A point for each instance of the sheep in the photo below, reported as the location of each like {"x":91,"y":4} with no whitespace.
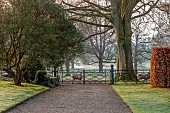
{"x":77,"y":76}
{"x":145,"y":77}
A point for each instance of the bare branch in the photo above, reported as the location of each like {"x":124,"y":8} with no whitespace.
{"x":146,"y":12}
{"x":91,"y":23}
{"x":98,"y":33}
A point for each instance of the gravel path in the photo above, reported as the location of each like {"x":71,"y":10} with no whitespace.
{"x":76,"y":98}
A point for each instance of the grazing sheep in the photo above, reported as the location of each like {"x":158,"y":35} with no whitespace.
{"x":77,"y":76}
{"x":144,"y":77}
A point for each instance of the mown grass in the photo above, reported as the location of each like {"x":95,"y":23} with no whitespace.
{"x":10,"y":94}
{"x":143,"y":98}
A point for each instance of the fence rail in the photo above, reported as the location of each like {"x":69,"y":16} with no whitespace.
{"x":107,"y":76}
{"x":88,"y":76}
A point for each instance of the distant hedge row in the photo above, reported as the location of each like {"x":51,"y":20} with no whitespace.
{"x":160,"y":67}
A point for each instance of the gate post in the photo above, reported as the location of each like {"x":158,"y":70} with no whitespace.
{"x":105,"y":76}
{"x":62,"y":76}
{"x":55,"y":71}
{"x":83,"y":76}
{"x":112,"y":74}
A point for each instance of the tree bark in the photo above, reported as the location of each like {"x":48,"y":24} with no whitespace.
{"x":121,"y":21}
{"x":67,"y":64}
{"x":121,"y":54}
{"x":17,"y":76}
{"x":128,"y":47}
{"x":100,"y":65}
{"x":118,"y":27}
{"x":72,"y":62}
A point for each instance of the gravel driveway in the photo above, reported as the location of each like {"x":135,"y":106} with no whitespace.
{"x":76,"y":98}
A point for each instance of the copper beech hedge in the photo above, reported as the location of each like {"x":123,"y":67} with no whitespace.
{"x":160,"y":67}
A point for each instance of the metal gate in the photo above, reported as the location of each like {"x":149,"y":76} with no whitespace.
{"x":86,"y":76}
{"x":108,"y":76}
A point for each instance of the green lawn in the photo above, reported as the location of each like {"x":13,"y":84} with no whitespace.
{"x":11,"y":95}
{"x":143,"y":98}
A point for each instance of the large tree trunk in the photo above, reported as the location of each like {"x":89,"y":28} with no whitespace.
{"x":67,"y":64}
{"x":72,"y":63}
{"x":17,"y":76}
{"x":125,"y":61}
{"x":100,"y":65}
{"x":120,"y":58}
{"x":128,"y":48}
{"x":121,"y":20}
{"x":18,"y":79}
{"x":118,"y":27}
{"x":121,"y":54}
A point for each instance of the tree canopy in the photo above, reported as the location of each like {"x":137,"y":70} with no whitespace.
{"x":31,"y":29}
{"x":120,"y":14}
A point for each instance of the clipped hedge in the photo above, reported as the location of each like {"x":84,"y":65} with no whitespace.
{"x":160,"y":67}
{"x":54,"y":81}
{"x":42,"y":79}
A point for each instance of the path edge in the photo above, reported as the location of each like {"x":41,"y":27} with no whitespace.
{"x":121,"y":98}
{"x":34,"y":96}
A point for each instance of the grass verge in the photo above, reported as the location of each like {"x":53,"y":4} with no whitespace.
{"x":143,"y":98}
{"x":11,"y":95}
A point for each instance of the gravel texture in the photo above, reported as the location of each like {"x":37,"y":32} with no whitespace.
{"x":75,"y":98}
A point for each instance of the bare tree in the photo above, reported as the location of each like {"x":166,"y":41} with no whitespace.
{"x":100,"y":47}
{"x":161,"y":18}
{"x":119,"y":13}
{"x":141,"y":40}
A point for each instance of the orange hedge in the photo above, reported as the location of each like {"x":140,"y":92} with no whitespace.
{"x":160,"y":67}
